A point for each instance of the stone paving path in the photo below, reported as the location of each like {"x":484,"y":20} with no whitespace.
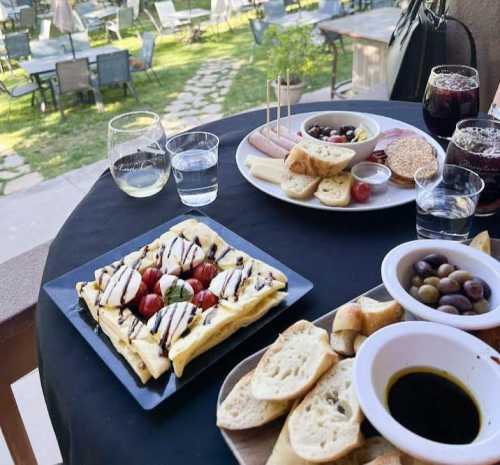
{"x":202,"y":97}
{"x":15,"y":174}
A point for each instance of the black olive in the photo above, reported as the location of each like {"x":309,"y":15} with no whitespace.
{"x":435,"y":259}
{"x":350,"y":135}
{"x":423,"y":269}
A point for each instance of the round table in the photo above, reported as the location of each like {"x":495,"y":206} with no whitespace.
{"x":95,"y":419}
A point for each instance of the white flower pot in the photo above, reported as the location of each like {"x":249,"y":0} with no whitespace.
{"x":295,"y":93}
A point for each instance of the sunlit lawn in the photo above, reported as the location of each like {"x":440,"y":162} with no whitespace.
{"x":54,"y":147}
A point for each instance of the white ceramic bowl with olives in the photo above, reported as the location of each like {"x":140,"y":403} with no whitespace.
{"x":445,"y":282}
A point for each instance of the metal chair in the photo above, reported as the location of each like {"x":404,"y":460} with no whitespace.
{"x":136,"y":7}
{"x":27,"y":18}
{"x":240,"y":6}
{"x":17,"y":45}
{"x":17,"y":92}
{"x":124,"y":19}
{"x":84,"y":23}
{"x":274,"y":9}
{"x":73,"y":76}
{"x":113,"y":69}
{"x":219,"y":13}
{"x":45,"y":27}
{"x":145,"y":62}
{"x":169,"y":22}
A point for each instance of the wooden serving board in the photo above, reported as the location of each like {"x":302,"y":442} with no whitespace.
{"x":254,"y":446}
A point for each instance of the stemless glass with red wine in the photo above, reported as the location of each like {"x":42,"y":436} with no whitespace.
{"x":137,"y":153}
{"x":476,"y":145}
{"x":452,"y":94}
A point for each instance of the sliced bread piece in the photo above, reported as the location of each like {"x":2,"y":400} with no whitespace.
{"x":342,"y":342}
{"x":318,"y":159}
{"x":299,"y":186}
{"x":348,"y":316}
{"x":372,"y":448}
{"x":358,"y":340}
{"x":326,"y":425}
{"x":378,"y":314}
{"x":240,"y":410}
{"x":335,"y":191}
{"x":293,"y":363}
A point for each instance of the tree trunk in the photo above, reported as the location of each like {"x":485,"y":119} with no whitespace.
{"x":482,"y":18}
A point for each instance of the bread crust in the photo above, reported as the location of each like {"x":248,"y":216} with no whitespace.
{"x":348,"y":316}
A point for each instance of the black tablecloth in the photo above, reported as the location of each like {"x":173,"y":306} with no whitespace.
{"x":95,"y":419}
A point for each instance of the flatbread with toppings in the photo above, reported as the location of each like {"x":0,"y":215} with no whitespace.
{"x":179,"y":296}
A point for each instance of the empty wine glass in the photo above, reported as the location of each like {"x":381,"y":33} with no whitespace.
{"x":137,"y":153}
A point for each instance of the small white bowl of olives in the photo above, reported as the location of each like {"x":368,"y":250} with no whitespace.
{"x":445,"y":282}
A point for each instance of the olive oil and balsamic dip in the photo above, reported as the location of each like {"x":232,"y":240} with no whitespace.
{"x":434,"y":405}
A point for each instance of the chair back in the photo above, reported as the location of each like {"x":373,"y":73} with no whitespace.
{"x":274,"y":9}
{"x":125,"y":17}
{"x":258,"y":28}
{"x":27,"y":18}
{"x":166,"y":13}
{"x":45,"y":26}
{"x":218,"y":9}
{"x":113,"y":68}
{"x":330,"y":7}
{"x":135,"y":5}
{"x":17,"y":45}
{"x":73,"y":75}
{"x":147,"y":49}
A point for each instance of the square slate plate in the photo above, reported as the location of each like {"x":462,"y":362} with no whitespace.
{"x":149,"y":395}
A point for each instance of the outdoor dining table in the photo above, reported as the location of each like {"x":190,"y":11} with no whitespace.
{"x":94,"y":417}
{"x":39,"y":67}
{"x":102,"y":13}
{"x":301,"y":18}
{"x":370,"y":32}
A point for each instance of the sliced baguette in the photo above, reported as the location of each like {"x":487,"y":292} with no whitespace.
{"x":348,"y":316}
{"x":299,"y":186}
{"x":358,"y":340}
{"x":293,"y":363}
{"x":378,"y":314}
{"x":335,"y":191}
{"x":318,"y":159}
{"x":392,"y":458}
{"x":327,"y":423}
{"x":372,"y":448}
{"x":342,"y":342}
{"x":240,"y":410}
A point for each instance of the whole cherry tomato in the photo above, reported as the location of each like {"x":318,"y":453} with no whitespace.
{"x":141,"y":292}
{"x":150,"y":304}
{"x":157,"y":289}
{"x":205,"y":299}
{"x":204,"y":273}
{"x":361,"y":192}
{"x":150,"y":276}
{"x":195,"y":284}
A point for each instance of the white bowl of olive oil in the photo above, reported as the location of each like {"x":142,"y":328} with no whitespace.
{"x":432,"y":391}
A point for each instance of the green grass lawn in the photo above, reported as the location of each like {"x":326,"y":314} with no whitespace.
{"x":54,"y":147}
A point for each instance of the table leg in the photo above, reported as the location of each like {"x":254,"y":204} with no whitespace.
{"x":42,"y":92}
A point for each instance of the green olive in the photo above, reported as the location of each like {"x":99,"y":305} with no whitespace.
{"x":432,"y":280}
{"x":460,"y":276}
{"x":445,"y":269}
{"x":416,"y":281}
{"x":414,"y":292}
{"x":428,"y":294}
{"x":448,"y":286}
{"x":481,"y":306}
{"x":448,"y":309}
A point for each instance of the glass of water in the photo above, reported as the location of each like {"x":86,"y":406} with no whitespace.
{"x":136,"y":150}
{"x":446,"y":202}
{"x":194,"y":157}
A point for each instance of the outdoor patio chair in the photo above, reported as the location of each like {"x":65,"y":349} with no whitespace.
{"x":83,"y":23}
{"x":27,"y":18}
{"x":219,"y":13}
{"x":45,"y":27}
{"x":17,"y":92}
{"x":112,"y":70}
{"x":168,"y":16}
{"x":124,"y":20}
{"x":258,"y":28}
{"x":136,"y":7}
{"x":240,"y":6}
{"x":145,"y":61}
{"x":72,"y":76}
{"x":274,"y":9}
{"x":17,"y":45}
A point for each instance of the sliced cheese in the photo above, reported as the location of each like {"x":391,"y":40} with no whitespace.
{"x":268,"y":172}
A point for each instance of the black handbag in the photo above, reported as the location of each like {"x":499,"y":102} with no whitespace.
{"x":417,"y":44}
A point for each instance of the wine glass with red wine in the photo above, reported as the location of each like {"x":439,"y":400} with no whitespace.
{"x":452,"y":94}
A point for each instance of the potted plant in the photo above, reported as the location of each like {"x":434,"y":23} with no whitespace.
{"x":291,"y":49}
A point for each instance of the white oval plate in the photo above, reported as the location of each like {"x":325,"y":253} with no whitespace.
{"x":393,"y":197}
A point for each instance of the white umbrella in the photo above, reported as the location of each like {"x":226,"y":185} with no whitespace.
{"x":63,"y":19}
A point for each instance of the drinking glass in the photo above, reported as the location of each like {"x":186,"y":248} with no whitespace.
{"x":452,"y":94}
{"x":194,"y":157}
{"x":446,"y":201}
{"x":476,"y":145}
{"x":136,"y":150}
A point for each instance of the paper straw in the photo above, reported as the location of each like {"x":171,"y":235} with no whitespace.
{"x":279,"y":106}
{"x":268,"y":98}
{"x":288,"y":99}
